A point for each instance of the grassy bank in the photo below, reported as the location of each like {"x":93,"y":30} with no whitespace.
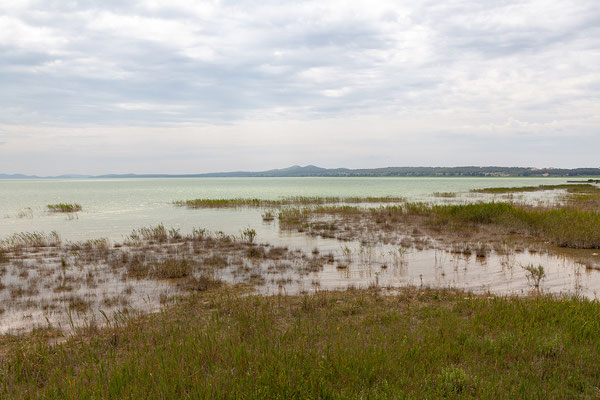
{"x":419,"y":343}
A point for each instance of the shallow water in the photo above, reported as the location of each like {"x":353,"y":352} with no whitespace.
{"x":354,"y":265}
{"x":113,"y":207}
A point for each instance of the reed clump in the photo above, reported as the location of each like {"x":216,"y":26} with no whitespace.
{"x":157,"y":234}
{"x":172,"y":268}
{"x":30,"y":239}
{"x":447,"y":195}
{"x":64,"y":207}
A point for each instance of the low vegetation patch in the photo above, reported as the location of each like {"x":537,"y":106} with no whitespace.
{"x":571,"y":188}
{"x":563,"y":226}
{"x":30,"y":239}
{"x":419,"y":343}
{"x":296,"y":200}
{"x":566,"y":227}
{"x":447,"y":195}
{"x":64,"y":207}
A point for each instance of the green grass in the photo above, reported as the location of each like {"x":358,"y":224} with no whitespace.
{"x":356,"y":344}
{"x":296,"y":200}
{"x":64,"y":207}
{"x":566,"y":227}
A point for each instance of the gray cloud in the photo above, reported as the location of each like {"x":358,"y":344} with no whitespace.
{"x":459,"y":69}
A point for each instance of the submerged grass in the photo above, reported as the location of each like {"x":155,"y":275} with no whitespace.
{"x":420,"y":343}
{"x":296,"y":200}
{"x":64,"y":207}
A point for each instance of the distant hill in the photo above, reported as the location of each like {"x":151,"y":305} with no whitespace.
{"x":18,"y":176}
{"x":312,"y":170}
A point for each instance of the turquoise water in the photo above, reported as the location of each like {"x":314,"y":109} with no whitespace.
{"x":113,"y":207}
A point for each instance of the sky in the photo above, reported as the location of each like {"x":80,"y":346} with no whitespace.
{"x":185,"y":86}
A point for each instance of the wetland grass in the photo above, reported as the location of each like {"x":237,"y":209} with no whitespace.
{"x":64,"y":207}
{"x":417,"y":343}
{"x":569,"y":187}
{"x":563,"y":226}
{"x":582,"y":196}
{"x":447,"y":195}
{"x":268,"y":216}
{"x":30,"y":239}
{"x":286,"y":201}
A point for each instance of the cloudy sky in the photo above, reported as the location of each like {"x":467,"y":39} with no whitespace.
{"x":183,"y":86}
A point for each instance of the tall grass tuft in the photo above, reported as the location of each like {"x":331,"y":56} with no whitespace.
{"x":64,"y":207}
{"x":31,"y":239}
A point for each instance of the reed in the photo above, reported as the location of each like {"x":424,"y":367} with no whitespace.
{"x":565,"y":226}
{"x":30,"y":239}
{"x":286,"y":201}
{"x":64,"y":207}
{"x":445,"y":194}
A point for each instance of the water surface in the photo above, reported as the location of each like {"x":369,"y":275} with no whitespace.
{"x":113,"y":207}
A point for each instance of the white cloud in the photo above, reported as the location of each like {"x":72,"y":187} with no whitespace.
{"x":417,"y":71}
{"x":20,"y":35}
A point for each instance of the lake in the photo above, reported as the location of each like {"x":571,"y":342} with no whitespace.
{"x":113,"y":207}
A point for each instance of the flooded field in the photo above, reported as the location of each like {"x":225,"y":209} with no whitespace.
{"x":101,"y":264}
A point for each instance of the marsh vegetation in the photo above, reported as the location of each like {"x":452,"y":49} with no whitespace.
{"x":64,"y":207}
{"x":574,"y":225}
{"x":286,"y":201}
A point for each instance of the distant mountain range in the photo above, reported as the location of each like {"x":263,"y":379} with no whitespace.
{"x":311,"y":170}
